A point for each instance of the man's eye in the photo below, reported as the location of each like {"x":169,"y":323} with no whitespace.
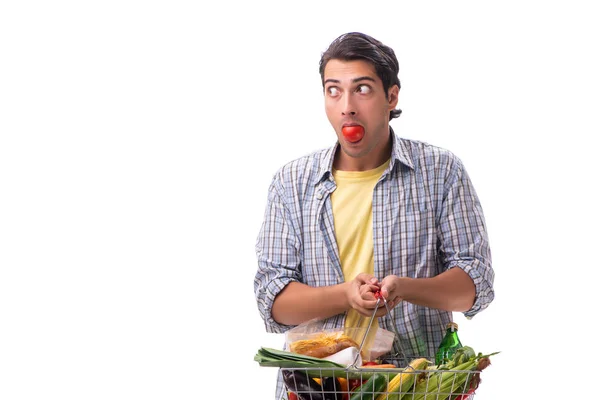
{"x":333,"y":91}
{"x":364,"y":89}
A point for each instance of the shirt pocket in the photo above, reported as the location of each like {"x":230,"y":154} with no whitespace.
{"x":413,"y":243}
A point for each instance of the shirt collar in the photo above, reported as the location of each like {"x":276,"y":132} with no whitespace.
{"x":400,"y":153}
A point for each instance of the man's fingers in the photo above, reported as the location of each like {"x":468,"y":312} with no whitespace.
{"x":363,"y":278}
{"x":385,"y":292}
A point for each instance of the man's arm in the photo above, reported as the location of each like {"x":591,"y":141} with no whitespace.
{"x":298,"y":303}
{"x":452,"y":290}
{"x":282,"y":298}
{"x":466,"y":283}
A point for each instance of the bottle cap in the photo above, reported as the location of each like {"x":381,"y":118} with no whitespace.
{"x":452,"y":325}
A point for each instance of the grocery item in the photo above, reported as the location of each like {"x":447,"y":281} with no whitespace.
{"x":374,"y":385}
{"x":449,"y":344}
{"x":402,"y":382}
{"x":323,"y":346}
{"x":345,"y":357}
{"x":353,"y":133}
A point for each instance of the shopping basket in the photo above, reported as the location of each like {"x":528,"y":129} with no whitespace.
{"x":404,"y":382}
{"x":343,"y":383}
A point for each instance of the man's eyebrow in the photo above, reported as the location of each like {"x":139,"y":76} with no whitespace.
{"x":363,"y":78}
{"x":355,"y":80}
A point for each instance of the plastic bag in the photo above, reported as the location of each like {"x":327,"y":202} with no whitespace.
{"x":378,"y":343}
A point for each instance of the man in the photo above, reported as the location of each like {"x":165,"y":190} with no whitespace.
{"x":374,"y":212}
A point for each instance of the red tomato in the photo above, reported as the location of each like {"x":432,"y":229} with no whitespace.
{"x":292,"y":396}
{"x":370,"y":363}
{"x":353,"y":133}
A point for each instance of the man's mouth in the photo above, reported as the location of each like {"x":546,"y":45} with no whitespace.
{"x":353,"y":132}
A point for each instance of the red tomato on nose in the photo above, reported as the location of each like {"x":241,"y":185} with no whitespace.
{"x":353,"y":133}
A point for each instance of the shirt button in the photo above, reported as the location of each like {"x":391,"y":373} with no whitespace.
{"x":319,"y":196}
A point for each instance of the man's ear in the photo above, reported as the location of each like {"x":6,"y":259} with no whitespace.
{"x":393,"y":97}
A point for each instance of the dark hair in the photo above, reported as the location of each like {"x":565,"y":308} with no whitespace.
{"x":358,"y":46}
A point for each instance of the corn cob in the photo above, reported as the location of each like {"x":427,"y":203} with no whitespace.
{"x":404,"y":380}
{"x":439,"y":384}
{"x":452,"y":384}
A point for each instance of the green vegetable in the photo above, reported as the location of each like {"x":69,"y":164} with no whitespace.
{"x":463,"y":354}
{"x":267,"y":357}
{"x":441,"y":383}
{"x":376,"y":384}
{"x":315,"y":367}
{"x":403,"y":381}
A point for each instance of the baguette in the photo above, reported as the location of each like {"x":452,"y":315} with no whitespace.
{"x":323,"y":346}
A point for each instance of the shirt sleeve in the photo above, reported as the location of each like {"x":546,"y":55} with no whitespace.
{"x":278,"y":254}
{"x":463,"y":238}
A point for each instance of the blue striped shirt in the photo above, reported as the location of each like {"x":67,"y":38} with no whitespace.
{"x":426,"y":219}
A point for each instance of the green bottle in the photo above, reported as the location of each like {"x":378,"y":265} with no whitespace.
{"x":450,"y":343}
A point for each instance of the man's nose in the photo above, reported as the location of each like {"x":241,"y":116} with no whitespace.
{"x":348,"y":107}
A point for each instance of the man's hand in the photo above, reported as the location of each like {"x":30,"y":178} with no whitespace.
{"x":361,"y":296}
{"x":361,"y":293}
{"x":391,"y":287}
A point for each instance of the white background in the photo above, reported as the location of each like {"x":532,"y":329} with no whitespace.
{"x":138,"y":140}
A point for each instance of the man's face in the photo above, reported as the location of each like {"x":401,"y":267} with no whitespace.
{"x":354,"y":95}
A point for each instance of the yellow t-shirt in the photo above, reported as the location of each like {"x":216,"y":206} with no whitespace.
{"x":352,"y":205}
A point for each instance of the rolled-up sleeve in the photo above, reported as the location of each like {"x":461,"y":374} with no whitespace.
{"x":278,"y":253}
{"x":463,"y":236}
